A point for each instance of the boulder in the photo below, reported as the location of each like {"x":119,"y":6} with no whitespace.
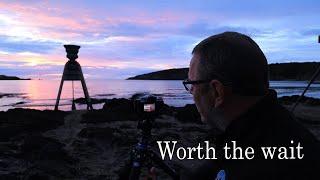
{"x":288,"y":100}
{"x":17,"y":121}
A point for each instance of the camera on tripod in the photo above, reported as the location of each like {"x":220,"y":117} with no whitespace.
{"x":146,"y":105}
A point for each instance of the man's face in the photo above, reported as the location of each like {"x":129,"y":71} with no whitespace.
{"x":201,"y":95}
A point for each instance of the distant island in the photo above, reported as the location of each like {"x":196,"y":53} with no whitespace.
{"x":4,"y":77}
{"x":279,"y":71}
{"x":169,"y":74}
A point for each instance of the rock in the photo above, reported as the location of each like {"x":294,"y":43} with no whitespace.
{"x":287,"y":100}
{"x":122,"y":110}
{"x":100,"y":116}
{"x":107,"y":94}
{"x":107,"y":135}
{"x":113,"y":110}
{"x":118,"y":105}
{"x":91,"y":151}
{"x":308,"y":121}
{"x":99,"y":133}
{"x":48,"y":156}
{"x":11,"y":95}
{"x":93,"y":101}
{"x":17,"y":121}
{"x":168,"y":136}
{"x":38,"y":157}
{"x":37,"y":147}
{"x":8,"y":149}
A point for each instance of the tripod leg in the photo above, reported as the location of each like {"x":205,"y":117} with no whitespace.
{"x":137,"y":161}
{"x":86,"y":94}
{"x":135,"y":172}
{"x":315,"y":75}
{"x":158,"y":161}
{"x":59,"y":94}
{"x":124,"y":171}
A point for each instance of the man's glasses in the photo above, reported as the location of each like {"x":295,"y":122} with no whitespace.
{"x":187,"y":83}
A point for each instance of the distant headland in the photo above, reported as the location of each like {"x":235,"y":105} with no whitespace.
{"x":4,"y":77}
{"x":279,"y":71}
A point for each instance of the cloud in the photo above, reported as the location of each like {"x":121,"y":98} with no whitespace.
{"x":8,"y":44}
{"x":128,"y":37}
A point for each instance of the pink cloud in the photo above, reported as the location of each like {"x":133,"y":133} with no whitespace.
{"x":49,"y":22}
{"x":46,"y":23}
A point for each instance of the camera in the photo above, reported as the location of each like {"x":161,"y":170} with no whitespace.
{"x":147,"y":105}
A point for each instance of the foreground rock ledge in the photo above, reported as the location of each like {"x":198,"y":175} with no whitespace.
{"x":95,"y":145}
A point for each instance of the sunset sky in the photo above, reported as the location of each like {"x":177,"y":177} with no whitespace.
{"x":119,"y":39}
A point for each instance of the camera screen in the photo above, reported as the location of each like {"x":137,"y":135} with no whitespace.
{"x":149,"y":107}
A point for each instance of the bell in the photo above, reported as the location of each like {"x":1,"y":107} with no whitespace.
{"x":73,"y":72}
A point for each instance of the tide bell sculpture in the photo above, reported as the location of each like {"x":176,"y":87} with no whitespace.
{"x":72,"y":72}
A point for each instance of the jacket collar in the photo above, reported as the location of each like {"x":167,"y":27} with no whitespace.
{"x":250,"y":121}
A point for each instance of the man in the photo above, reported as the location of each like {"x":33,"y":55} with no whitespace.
{"x":228,"y":78}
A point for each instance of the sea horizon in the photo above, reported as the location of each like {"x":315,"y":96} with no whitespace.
{"x":42,"y":94}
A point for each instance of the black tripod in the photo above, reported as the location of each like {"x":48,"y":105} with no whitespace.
{"x":143,"y":156}
{"x":313,"y":78}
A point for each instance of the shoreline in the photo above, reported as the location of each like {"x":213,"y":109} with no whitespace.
{"x":285,"y":100}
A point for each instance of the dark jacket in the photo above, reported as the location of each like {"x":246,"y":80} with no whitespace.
{"x":266,"y":124}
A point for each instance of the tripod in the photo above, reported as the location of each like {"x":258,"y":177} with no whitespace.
{"x":143,"y":156}
{"x":315,"y":75}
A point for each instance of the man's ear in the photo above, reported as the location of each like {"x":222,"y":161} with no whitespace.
{"x":219,"y":92}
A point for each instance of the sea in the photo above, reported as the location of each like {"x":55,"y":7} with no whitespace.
{"x":42,"y":94}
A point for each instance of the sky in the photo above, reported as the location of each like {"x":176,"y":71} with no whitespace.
{"x":124,"y":38}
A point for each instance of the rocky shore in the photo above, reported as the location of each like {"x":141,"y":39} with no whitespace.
{"x":96,"y":144}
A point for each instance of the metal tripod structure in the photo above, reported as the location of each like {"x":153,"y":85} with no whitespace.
{"x":72,"y":72}
{"x":314,"y":77}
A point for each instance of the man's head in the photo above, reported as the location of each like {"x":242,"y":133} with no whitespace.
{"x":234,"y":68}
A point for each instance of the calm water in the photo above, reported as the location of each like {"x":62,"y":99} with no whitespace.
{"x":41,"y":94}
